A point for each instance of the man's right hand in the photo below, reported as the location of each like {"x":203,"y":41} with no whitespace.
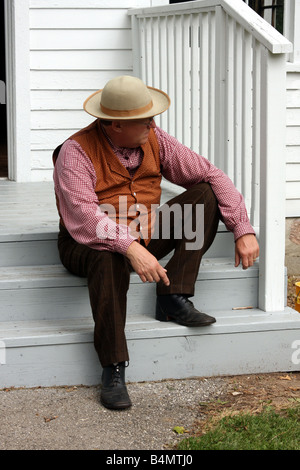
{"x":146,"y":265}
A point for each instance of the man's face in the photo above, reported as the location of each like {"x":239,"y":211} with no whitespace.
{"x":136,"y":132}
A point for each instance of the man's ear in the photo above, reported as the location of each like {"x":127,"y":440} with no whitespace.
{"x":117,"y":126}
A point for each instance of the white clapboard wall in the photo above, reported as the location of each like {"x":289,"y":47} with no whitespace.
{"x":75,"y":47}
{"x":293,"y":144}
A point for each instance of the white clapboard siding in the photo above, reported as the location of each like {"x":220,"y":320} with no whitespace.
{"x":75,"y":47}
{"x":293,"y":145}
{"x":69,"y":79}
{"x":83,"y":18}
{"x":47,"y":139}
{"x":80,"y":39}
{"x":72,"y":60}
{"x":66,"y":119}
{"x":49,"y":100}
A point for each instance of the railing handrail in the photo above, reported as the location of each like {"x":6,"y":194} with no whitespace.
{"x":244,"y":15}
{"x":258,"y":27}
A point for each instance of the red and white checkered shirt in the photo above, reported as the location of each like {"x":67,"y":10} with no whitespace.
{"x":75,"y":181}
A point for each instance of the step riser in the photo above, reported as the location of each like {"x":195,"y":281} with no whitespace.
{"x":37,"y":252}
{"x":73,"y":302}
{"x":29,"y":253}
{"x":152,"y":359}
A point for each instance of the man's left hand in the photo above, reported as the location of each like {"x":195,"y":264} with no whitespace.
{"x":246,"y":250}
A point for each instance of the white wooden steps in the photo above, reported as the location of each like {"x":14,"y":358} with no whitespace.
{"x":46,"y":324}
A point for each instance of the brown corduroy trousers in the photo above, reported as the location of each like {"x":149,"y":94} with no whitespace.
{"x":108,"y":273}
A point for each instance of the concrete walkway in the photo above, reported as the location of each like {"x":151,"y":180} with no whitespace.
{"x":72,"y":418}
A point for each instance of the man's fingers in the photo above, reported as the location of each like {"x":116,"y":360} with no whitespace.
{"x":246,"y":250}
{"x":164,"y":277}
{"x":146,"y":265}
{"x":158,"y":275}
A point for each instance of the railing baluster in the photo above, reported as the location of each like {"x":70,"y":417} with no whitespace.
{"x":178,"y":77}
{"x":247,"y":119}
{"x":195,"y":84}
{"x":148,"y":49}
{"x":238,"y":105}
{"x":171,"y":74}
{"x":155,"y":81}
{"x":212,"y":84}
{"x":204,"y":84}
{"x":163,"y":64}
{"x":219,"y":86}
{"x":186,"y":81}
{"x":256,"y":100}
{"x":228,"y":164}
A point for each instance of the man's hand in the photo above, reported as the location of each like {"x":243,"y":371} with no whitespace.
{"x":146,"y":265}
{"x":246,"y":250}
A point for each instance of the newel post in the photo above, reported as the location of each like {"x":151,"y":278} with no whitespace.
{"x":272,"y":181}
{"x":291,"y":28}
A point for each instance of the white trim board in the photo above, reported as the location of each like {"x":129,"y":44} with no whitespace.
{"x":18,"y":87}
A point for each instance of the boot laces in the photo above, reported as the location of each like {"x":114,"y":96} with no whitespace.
{"x":116,"y":373}
{"x":186,"y":300}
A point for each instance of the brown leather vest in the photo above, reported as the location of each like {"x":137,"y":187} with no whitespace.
{"x":132,"y":200}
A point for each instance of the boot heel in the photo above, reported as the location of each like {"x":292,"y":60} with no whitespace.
{"x":160,"y":315}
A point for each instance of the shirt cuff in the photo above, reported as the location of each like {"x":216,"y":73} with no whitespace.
{"x":121,"y":246}
{"x":241,"y":229}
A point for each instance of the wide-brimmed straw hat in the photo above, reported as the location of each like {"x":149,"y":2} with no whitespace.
{"x":125,"y":98}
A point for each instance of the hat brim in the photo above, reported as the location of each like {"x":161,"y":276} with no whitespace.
{"x":160,"y":100}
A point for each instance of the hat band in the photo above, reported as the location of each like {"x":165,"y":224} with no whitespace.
{"x":131,"y":112}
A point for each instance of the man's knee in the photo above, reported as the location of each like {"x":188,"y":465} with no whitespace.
{"x":202,"y":193}
{"x":108,"y":265}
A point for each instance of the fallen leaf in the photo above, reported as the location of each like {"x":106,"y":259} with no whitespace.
{"x":179,"y":429}
{"x":237,"y":393}
{"x":47,"y":420}
{"x":286,"y":377}
{"x":71,"y":389}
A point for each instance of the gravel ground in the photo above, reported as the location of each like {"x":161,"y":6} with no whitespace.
{"x":72,"y":418}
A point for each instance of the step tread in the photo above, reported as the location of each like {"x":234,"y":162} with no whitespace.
{"x":56,"y":275}
{"x":142,"y":326}
{"x":28,"y":210}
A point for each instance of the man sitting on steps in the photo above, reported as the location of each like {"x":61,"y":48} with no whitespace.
{"x":108,"y":185}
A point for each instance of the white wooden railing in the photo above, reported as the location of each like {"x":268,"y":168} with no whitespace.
{"x":223,"y":67}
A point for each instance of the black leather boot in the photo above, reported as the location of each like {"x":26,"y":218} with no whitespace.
{"x":178,"y":308}
{"x":114,"y":393}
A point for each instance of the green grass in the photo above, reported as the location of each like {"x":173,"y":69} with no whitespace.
{"x":268,"y":430}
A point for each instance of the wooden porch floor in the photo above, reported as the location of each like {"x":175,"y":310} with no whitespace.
{"x":27,"y":209}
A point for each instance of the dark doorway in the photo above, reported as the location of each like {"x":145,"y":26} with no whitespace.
{"x":3,"y":121}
